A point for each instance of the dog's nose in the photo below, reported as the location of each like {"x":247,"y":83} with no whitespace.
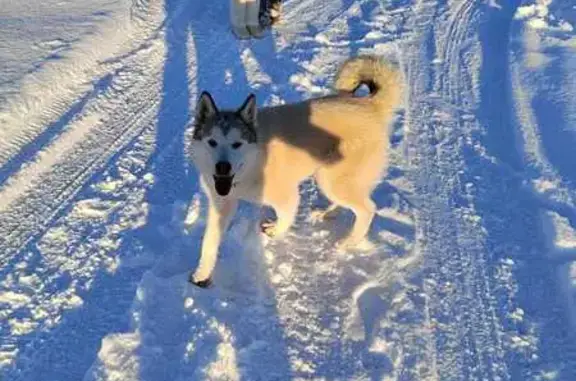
{"x":223,"y":168}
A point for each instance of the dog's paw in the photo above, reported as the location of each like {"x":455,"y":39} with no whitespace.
{"x":268,"y":228}
{"x":317,"y":216}
{"x":320,"y":215}
{"x":200,"y":283}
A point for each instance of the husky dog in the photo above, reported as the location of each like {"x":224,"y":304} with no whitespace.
{"x":263,"y":155}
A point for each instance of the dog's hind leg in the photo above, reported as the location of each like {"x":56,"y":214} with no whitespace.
{"x":364,"y":210}
{"x":354,"y":195}
{"x":220,"y":214}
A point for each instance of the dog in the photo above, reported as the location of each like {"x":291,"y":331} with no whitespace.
{"x":262,"y":155}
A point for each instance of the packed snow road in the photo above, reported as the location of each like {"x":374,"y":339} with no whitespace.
{"x":470,"y":269}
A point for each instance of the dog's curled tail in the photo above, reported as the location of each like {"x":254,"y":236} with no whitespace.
{"x":383,"y":80}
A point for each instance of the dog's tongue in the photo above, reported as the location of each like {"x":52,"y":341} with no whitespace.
{"x":223,"y":184}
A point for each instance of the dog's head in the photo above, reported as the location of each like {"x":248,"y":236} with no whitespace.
{"x":224,"y":142}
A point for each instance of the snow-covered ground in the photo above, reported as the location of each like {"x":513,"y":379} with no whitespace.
{"x":470,"y":273}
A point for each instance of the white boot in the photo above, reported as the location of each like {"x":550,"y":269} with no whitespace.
{"x":245,"y":18}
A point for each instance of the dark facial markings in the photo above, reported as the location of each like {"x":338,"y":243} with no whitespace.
{"x":225,"y":121}
{"x":213,"y":143}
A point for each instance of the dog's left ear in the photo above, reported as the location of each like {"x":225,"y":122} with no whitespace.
{"x":248,"y":110}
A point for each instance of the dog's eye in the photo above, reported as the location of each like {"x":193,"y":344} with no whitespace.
{"x":212,"y":143}
{"x":236,"y":145}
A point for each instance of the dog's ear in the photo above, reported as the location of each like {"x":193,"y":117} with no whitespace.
{"x":248,"y":110}
{"x":205,"y":108}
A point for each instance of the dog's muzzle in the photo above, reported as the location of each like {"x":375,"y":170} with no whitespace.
{"x":223,"y":178}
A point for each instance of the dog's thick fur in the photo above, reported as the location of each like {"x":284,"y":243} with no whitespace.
{"x":263,"y":155}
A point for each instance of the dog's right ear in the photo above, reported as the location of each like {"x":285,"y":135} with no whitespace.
{"x":248,"y":110}
{"x":205,"y":108}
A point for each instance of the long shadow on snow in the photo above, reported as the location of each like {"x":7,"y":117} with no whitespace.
{"x":220,"y":71}
{"x":550,"y":106}
{"x":172,"y":185}
{"x":513,"y":221}
{"x":65,"y":351}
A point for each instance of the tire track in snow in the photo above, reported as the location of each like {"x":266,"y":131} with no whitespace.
{"x":482,"y":329}
{"x":536,"y":339}
{"x":79,"y":278}
{"x":476,"y":221}
{"x":30,"y":202}
{"x":455,"y":43}
{"x":33,"y":212}
{"x":36,"y":194}
{"x":30,"y":148}
{"x":45,"y":190}
{"x":458,"y":283}
{"x":49,"y":95}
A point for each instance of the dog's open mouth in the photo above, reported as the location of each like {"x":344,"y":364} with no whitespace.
{"x":223,"y":184}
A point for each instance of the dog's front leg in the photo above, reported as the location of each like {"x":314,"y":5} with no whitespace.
{"x":286,"y":209}
{"x":220,"y":214}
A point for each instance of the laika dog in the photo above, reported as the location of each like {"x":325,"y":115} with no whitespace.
{"x":262,"y":155}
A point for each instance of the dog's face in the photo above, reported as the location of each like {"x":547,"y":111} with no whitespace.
{"x":224,"y":142}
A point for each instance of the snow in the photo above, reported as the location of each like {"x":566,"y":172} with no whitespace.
{"x":469,"y":272}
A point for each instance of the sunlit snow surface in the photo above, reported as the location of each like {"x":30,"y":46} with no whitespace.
{"x":470,"y":268}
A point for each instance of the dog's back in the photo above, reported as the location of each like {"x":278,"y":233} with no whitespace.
{"x":323,"y":131}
